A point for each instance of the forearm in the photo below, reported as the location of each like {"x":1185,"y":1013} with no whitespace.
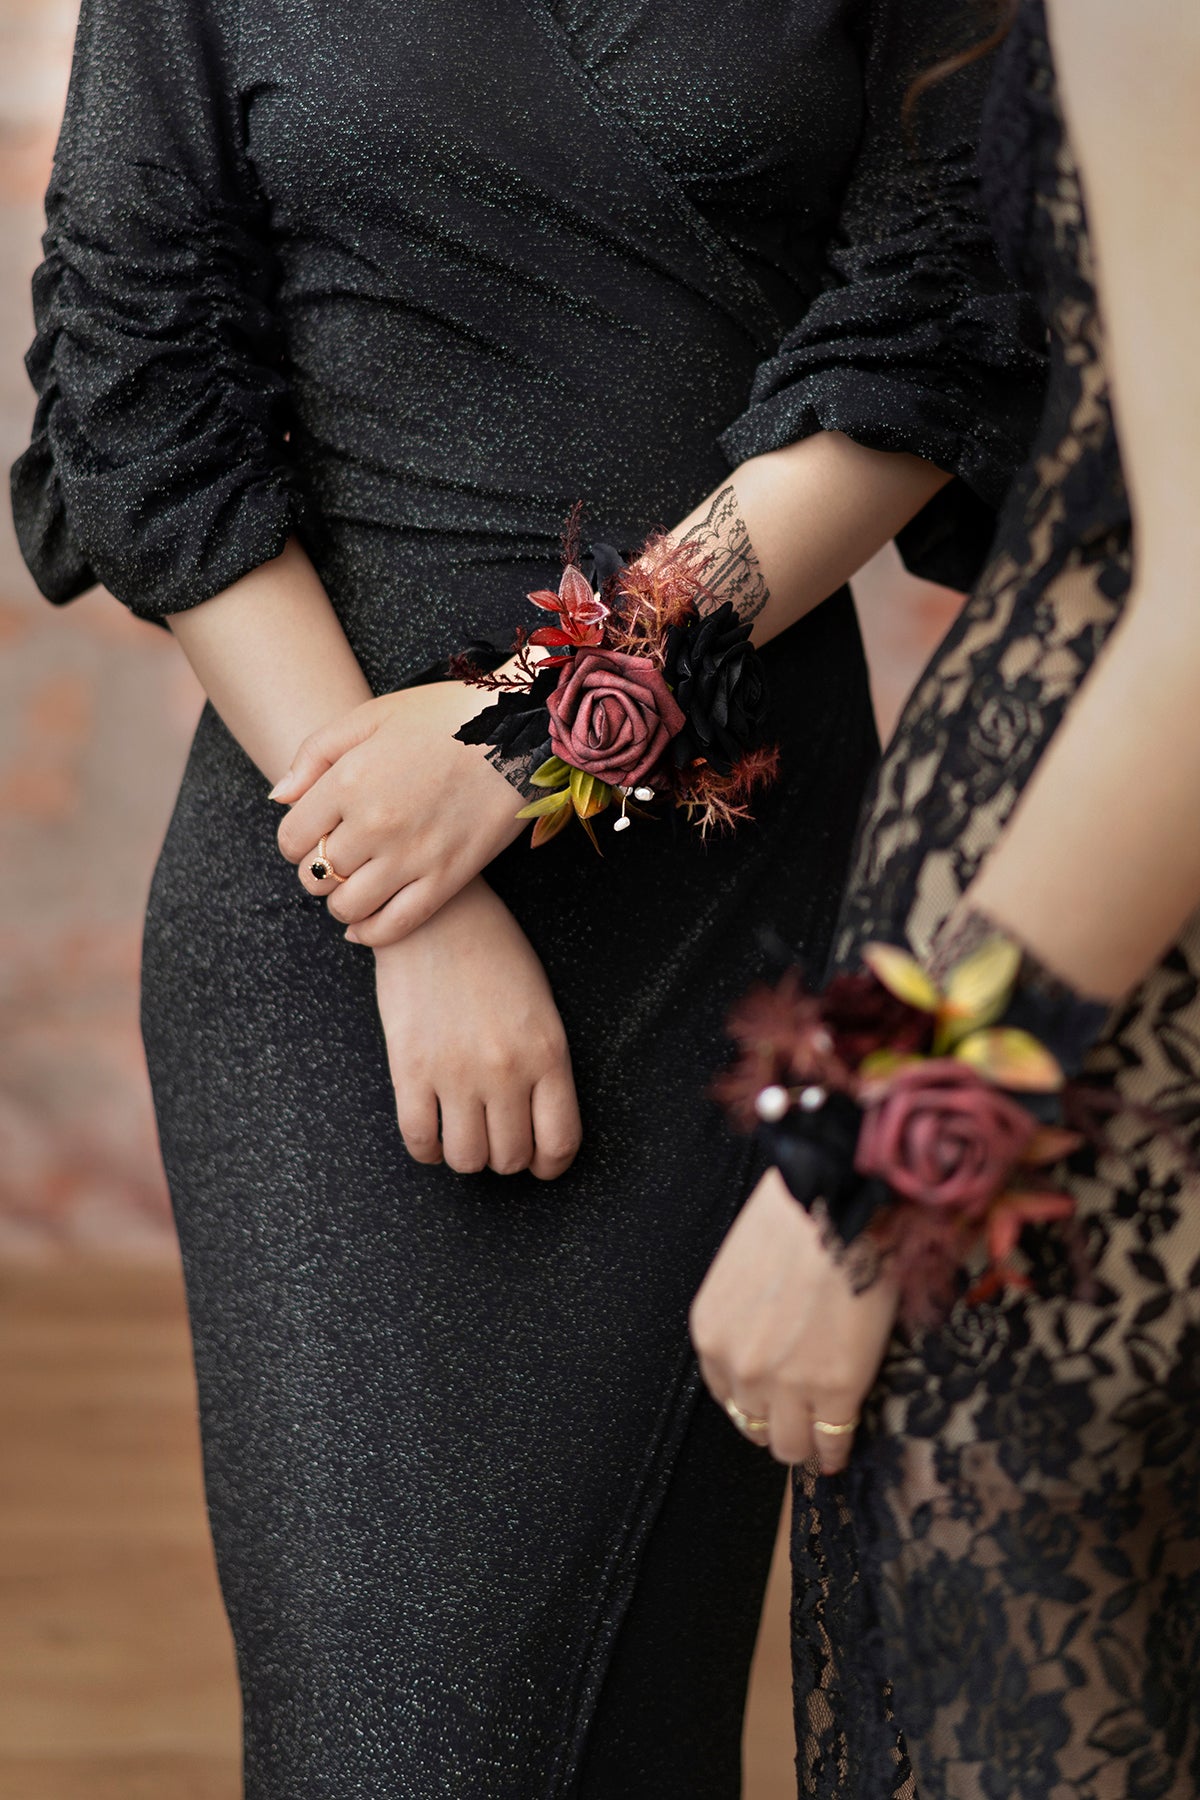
{"x":1099,"y":867}
{"x":791,"y":527}
{"x":820,"y":510}
{"x":786,"y":531}
{"x":271,"y":655}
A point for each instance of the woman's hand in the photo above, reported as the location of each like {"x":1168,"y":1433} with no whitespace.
{"x":474,"y":1036}
{"x":408,"y":814}
{"x":781,"y":1334}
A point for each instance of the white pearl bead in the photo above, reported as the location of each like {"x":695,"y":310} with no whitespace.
{"x":623,"y":823}
{"x":643,"y":793}
{"x":812,"y":1099}
{"x":773,"y":1104}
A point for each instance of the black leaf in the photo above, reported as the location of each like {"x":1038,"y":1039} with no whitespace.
{"x":517,"y":722}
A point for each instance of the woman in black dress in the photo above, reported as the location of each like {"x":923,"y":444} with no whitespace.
{"x":342,"y":308}
{"x":1000,"y":1600}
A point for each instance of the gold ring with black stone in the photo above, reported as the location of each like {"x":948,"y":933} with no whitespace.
{"x":321,"y":868}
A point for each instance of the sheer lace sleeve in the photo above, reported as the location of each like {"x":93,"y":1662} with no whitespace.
{"x":157,"y":464}
{"x":920,"y":342}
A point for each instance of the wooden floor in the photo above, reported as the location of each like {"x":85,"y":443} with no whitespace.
{"x":116,"y":1672}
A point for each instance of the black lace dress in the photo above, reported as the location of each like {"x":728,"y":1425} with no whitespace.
{"x":1001,"y":1600}
{"x":409,"y":280}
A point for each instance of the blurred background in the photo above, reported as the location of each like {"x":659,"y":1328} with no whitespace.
{"x":116,"y":1674}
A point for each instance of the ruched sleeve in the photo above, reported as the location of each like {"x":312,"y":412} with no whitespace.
{"x":919,"y":341}
{"x":158,"y":460}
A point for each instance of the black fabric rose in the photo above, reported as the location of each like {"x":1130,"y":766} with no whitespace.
{"x":601,"y":564}
{"x":863,"y":1016}
{"x":718,"y":680}
{"x":814,"y":1152}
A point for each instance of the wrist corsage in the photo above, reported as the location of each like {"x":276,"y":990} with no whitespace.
{"x":648,"y":689}
{"x":914,"y":1114}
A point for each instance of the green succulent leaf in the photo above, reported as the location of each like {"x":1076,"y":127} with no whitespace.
{"x":902,"y":975}
{"x":1011,"y":1059}
{"x":552,"y":773}
{"x":977,"y":991}
{"x":880,"y":1065}
{"x":589,"y":794}
{"x":549,"y":803}
{"x":549,"y":826}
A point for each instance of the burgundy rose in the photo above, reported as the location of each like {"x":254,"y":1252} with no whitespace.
{"x":612,"y":716}
{"x":863,"y":1016}
{"x":939,"y":1135}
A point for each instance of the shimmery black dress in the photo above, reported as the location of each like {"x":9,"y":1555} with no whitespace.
{"x":408,"y":280}
{"x":1001,"y":1600}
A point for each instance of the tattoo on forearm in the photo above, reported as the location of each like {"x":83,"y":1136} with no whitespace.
{"x":732,"y":569}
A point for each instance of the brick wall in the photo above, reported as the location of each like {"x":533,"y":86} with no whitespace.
{"x":95,"y":714}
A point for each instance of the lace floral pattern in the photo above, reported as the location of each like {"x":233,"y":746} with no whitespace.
{"x":1001,"y":1600}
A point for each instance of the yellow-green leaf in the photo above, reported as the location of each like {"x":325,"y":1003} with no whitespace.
{"x":589,"y":794}
{"x":548,"y":803}
{"x":902,"y":975}
{"x":552,"y":773}
{"x":882,"y":1063}
{"x":549,"y":826}
{"x":978,"y":989}
{"x":1012,"y":1059}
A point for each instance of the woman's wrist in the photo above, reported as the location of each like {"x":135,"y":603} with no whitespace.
{"x":919,"y":1114}
{"x":644,"y":688}
{"x":1042,"y":1002}
{"x":271,"y":655}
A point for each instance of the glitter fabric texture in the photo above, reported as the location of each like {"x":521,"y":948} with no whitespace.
{"x":410,"y":280}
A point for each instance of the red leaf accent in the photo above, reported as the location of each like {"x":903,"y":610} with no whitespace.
{"x":1012,"y":1212}
{"x":575,"y":591}
{"x":569,"y":632}
{"x":549,"y":826}
{"x":546,"y":600}
{"x":994,"y":1281}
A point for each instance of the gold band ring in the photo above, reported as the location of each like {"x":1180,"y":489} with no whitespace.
{"x":745,"y":1422}
{"x":320,"y":868}
{"x":838,"y":1430}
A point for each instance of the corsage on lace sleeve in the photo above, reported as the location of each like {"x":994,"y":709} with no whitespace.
{"x":917,"y":1114}
{"x":643,"y":688}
